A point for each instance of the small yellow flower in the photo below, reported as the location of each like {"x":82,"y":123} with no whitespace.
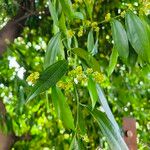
{"x":85,"y":138}
{"x":123,"y":14}
{"x":130,"y":6}
{"x":108,"y":17}
{"x":87,"y":23}
{"x":33,"y":77}
{"x":78,"y":70}
{"x":68,"y":86}
{"x":89,"y":71}
{"x":75,"y":6}
{"x":94,"y":24}
{"x":80,"y":33}
{"x":96,"y":29}
{"x":72,"y":73}
{"x":61,"y":85}
{"x":70,"y":33}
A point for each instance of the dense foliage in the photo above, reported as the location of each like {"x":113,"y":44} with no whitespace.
{"x":59,"y":76}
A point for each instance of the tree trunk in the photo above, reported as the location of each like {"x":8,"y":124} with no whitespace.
{"x":6,"y":141}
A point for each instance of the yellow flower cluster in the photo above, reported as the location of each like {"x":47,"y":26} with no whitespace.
{"x":77,"y":76}
{"x":98,"y":77}
{"x":108,"y":17}
{"x":65,"y":85}
{"x":145,"y":7}
{"x":33,"y":77}
{"x":94,"y":25}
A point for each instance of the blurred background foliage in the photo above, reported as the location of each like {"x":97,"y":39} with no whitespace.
{"x":127,"y":88}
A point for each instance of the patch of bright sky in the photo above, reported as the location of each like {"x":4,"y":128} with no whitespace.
{"x":14,"y":64}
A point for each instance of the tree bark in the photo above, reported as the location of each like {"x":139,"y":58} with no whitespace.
{"x":11,"y":30}
{"x":8,"y":33}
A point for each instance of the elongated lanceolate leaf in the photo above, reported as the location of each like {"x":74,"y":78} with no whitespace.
{"x":120,"y":39}
{"x":52,"y":50}
{"x":62,"y":108}
{"x":48,"y":78}
{"x":95,"y":48}
{"x":53,"y":13}
{"x":90,"y":41}
{"x":90,"y":60}
{"x":138,"y":35}
{"x":113,"y":137}
{"x":92,"y":92}
{"x":89,"y":7}
{"x":112,"y":62}
{"x":67,"y":8}
{"x":104,"y":103}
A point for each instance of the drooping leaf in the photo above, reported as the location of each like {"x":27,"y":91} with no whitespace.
{"x":90,"y":41}
{"x":76,"y":144}
{"x":92,"y":92}
{"x":104,"y":103}
{"x":113,"y":137}
{"x":90,"y":60}
{"x":67,"y":8}
{"x":62,"y":108}
{"x":48,"y":78}
{"x":120,"y":39}
{"x":52,"y":50}
{"x":138,"y":35}
{"x":53,"y":13}
{"x":112,"y":62}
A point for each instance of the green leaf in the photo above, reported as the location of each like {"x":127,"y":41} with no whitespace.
{"x":53,"y":13}
{"x":90,"y":41}
{"x":95,"y":48}
{"x":89,"y":8}
{"x":113,"y":137}
{"x":67,"y":8}
{"x":132,"y":59}
{"x":92,"y":91}
{"x":76,"y":144}
{"x":78,"y":15}
{"x":62,"y":108}
{"x":62,"y":24}
{"x":52,"y":50}
{"x":104,"y":103}
{"x":112,"y":62}
{"x":138,"y":35}
{"x":120,"y":39}
{"x":90,"y":60}
{"x":48,"y":78}
{"x":81,"y":121}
